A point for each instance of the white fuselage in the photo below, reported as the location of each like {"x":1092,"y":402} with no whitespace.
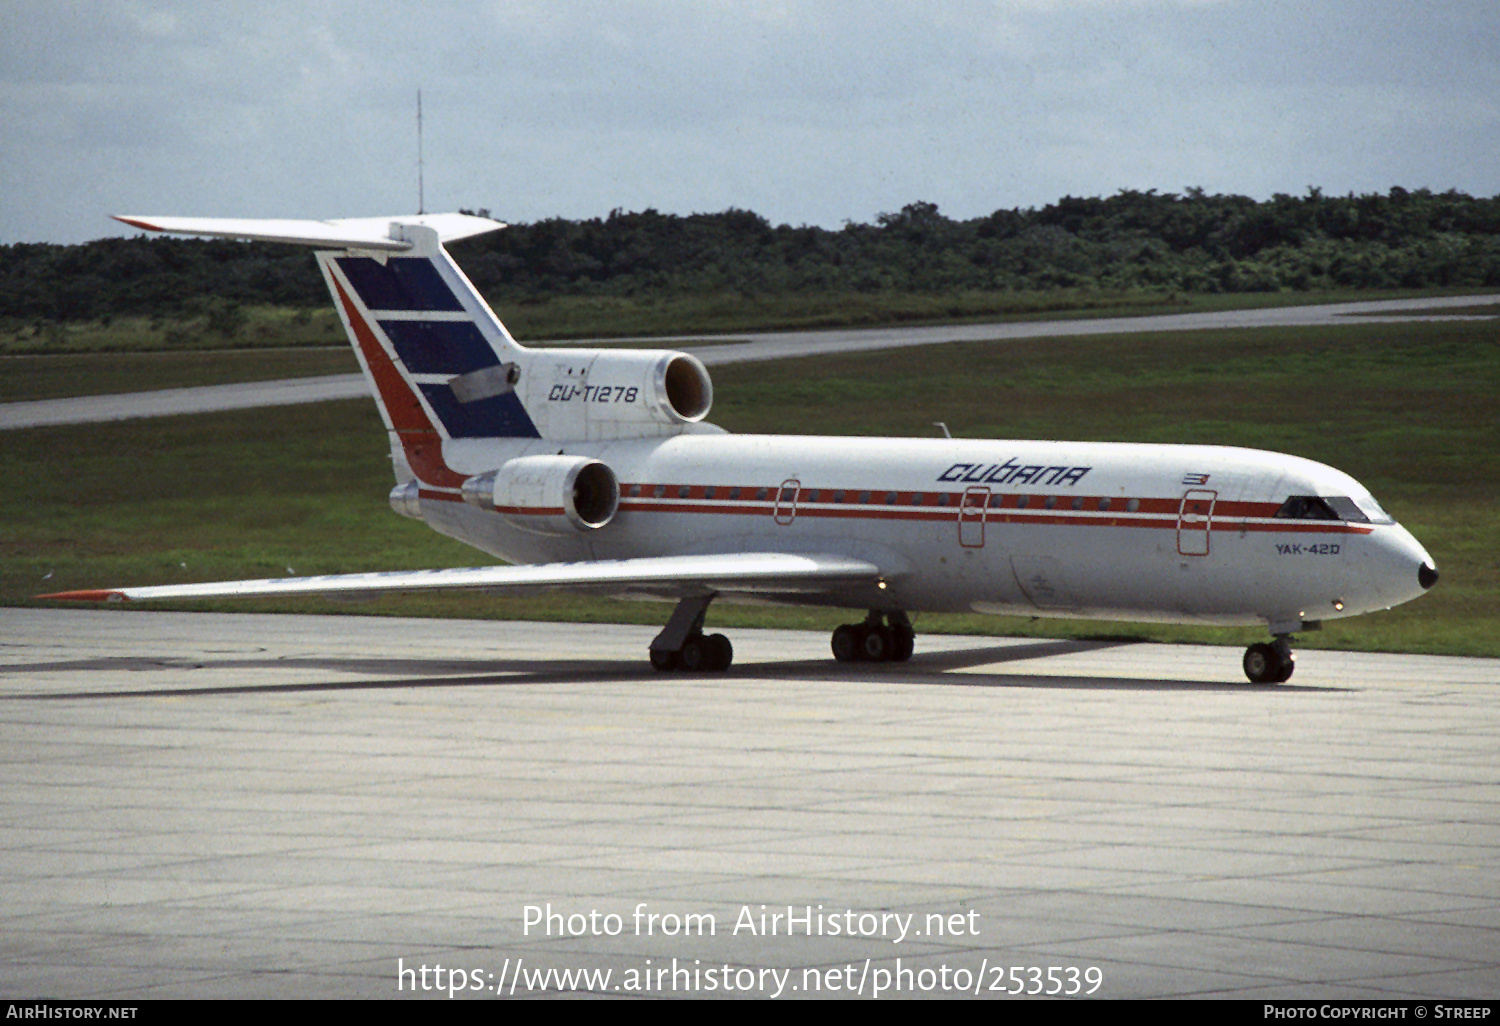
{"x":1163,"y":533}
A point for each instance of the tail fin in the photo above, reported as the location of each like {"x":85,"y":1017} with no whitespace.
{"x":438,"y":360}
{"x":442,"y":366}
{"x":436,"y":355}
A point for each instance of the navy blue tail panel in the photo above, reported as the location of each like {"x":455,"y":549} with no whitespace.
{"x":496,"y":416}
{"x":469,"y":403}
{"x":400,"y":283}
{"x":440,"y":347}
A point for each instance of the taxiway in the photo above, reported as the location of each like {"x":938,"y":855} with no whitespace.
{"x":742,"y":349}
{"x":210,"y":805}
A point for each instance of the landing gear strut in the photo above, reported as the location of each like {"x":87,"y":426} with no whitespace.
{"x":874,"y":641}
{"x":682,"y":645}
{"x":1270,"y":662}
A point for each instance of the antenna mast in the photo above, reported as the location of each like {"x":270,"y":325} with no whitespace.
{"x":421,"y":198}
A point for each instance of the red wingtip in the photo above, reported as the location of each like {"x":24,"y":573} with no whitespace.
{"x":136,"y":222}
{"x":95,"y":595}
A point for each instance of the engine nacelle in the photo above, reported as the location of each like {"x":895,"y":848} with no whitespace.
{"x":406,"y":499}
{"x":601,"y":394}
{"x":548,"y":494}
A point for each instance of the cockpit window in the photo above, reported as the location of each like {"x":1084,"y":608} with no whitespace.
{"x":1372,"y":510}
{"x":1347,"y":510}
{"x":1306,"y":507}
{"x":1362,"y":510}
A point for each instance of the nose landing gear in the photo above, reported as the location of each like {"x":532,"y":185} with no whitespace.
{"x":1270,"y":662}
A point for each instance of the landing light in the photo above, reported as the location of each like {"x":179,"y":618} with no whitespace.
{"x":1338,"y":604}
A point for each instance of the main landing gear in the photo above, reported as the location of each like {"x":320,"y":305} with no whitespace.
{"x":682,"y":645}
{"x":1270,"y":662}
{"x":875,"y":642}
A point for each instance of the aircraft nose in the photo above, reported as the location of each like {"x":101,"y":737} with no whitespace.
{"x":1400,"y":570}
{"x":1427,"y":576}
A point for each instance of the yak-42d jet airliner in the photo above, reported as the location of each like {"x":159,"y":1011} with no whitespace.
{"x":595,"y":470}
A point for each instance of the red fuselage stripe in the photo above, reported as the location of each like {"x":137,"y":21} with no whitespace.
{"x":1161,"y":513}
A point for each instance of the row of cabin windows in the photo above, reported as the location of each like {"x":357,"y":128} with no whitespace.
{"x":996,"y":501}
{"x":1297,"y":507}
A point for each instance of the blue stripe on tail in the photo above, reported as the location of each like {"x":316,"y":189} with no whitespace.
{"x":440,"y":347}
{"x":400,"y":283}
{"x":477,"y":400}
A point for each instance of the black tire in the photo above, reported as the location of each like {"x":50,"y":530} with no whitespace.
{"x":1288,"y":664}
{"x":846,"y":643}
{"x":875,"y":644}
{"x":720,"y":653}
{"x":906,"y":644}
{"x":1265,"y":663}
{"x":694,"y":657}
{"x":663,"y":660}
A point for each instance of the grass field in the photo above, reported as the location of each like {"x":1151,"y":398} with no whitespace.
{"x":77,"y":374}
{"x":258,"y":328}
{"x":1410,"y":410}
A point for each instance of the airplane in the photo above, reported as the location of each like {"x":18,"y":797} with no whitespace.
{"x":596,"y":470}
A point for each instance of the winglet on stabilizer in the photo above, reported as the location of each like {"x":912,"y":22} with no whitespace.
{"x":377,"y":233}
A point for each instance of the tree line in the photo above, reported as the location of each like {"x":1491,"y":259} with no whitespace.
{"x":1189,"y":243}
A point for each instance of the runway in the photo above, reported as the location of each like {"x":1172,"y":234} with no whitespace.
{"x":741,"y":349}
{"x":208,"y":805}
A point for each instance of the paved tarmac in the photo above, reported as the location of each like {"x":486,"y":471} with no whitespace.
{"x":208,"y":805}
{"x":739,"y":349}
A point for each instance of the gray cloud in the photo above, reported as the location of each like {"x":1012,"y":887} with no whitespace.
{"x":809,"y":111}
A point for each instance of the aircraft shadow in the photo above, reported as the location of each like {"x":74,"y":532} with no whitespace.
{"x":924,"y":669}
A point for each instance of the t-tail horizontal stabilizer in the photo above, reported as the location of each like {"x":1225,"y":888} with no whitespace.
{"x":372,"y":233}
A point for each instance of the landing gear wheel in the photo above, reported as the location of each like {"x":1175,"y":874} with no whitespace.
{"x":1269,"y":662}
{"x":846,"y":643}
{"x":882,"y":638}
{"x":906,"y":644}
{"x":699,"y":654}
{"x":875,"y":644}
{"x":720,"y":653}
{"x":1288,"y":664}
{"x":694,"y":655}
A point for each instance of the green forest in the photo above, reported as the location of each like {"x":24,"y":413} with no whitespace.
{"x":1168,"y":243}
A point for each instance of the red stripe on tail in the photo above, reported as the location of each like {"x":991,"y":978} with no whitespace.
{"x":423,"y":444}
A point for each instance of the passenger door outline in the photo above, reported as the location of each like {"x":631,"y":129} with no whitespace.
{"x":972,"y":509}
{"x":1195,"y":518}
{"x":785,"y":509}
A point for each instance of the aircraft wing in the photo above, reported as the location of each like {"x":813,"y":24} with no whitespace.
{"x":749,"y":572}
{"x":345,"y":233}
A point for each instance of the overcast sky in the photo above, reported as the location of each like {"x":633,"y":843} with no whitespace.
{"x":805,"y":111}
